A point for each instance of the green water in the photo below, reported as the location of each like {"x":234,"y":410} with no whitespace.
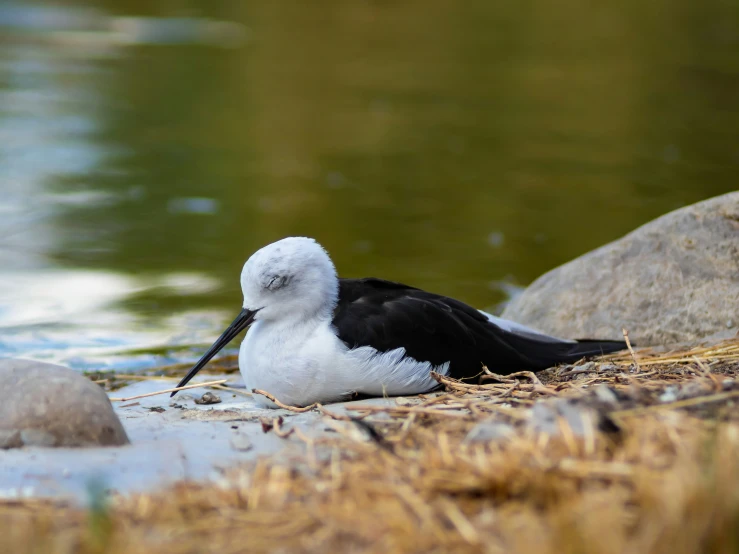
{"x":463,"y":147}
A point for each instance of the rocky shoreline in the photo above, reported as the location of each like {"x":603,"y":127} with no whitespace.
{"x":625,"y":447}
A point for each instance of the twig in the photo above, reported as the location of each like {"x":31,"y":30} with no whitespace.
{"x":233,"y":390}
{"x":466,"y":530}
{"x":647,"y":374}
{"x":456,"y":385}
{"x":277,"y":429}
{"x":509,"y":392}
{"x":332,"y":415}
{"x":405,"y":428}
{"x":310,"y":446}
{"x":631,"y":350}
{"x":707,"y":373}
{"x":528,"y":374}
{"x":176,"y":389}
{"x":513,"y":413}
{"x":472,"y":407}
{"x":676,"y":360}
{"x":585,"y":468}
{"x":687,"y":403}
{"x":579,"y":369}
{"x":297,"y":409}
{"x":436,"y":400}
{"x":406,"y":410}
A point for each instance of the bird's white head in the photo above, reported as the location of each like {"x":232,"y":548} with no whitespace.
{"x":291,"y":278}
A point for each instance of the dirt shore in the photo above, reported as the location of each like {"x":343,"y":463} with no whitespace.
{"x":622,"y":454}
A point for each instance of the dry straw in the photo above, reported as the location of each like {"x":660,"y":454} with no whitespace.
{"x":665,"y":481}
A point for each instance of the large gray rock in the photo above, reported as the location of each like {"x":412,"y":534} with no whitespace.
{"x":49,"y":405}
{"x":675,"y":279}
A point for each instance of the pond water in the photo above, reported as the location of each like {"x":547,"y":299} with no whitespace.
{"x":147,"y":148}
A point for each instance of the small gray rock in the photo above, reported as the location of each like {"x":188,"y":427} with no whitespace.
{"x":578,"y":416}
{"x":580,"y":370}
{"x":545,"y":416}
{"x":673,"y":280}
{"x":587,"y":366}
{"x":208,"y":398}
{"x":487,"y":431}
{"x":49,"y":405}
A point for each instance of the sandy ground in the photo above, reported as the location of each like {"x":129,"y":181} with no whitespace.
{"x":172,"y":439}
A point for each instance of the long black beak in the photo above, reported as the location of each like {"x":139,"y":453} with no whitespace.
{"x":242,"y":321}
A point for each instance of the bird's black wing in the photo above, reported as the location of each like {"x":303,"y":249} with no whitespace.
{"x":437,"y":329}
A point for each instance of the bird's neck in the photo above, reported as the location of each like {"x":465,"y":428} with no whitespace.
{"x":296,"y":323}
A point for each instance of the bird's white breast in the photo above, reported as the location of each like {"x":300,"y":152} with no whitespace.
{"x":308,"y":363}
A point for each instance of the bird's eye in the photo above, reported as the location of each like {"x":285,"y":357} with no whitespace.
{"x":277,"y":282}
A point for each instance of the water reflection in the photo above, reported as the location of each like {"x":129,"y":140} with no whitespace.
{"x":465,"y":149}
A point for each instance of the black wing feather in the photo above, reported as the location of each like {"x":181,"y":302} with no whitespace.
{"x":433,"y":328}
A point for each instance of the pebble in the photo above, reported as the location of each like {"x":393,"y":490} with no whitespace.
{"x":605,"y":394}
{"x":547,"y":416}
{"x":208,"y":398}
{"x":487,"y":431}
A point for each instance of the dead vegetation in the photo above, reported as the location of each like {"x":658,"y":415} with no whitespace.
{"x":619,"y":455}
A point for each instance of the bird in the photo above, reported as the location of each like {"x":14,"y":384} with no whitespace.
{"x":315,"y":337}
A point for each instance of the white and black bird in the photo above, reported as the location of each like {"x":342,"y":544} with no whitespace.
{"x":317,"y":338}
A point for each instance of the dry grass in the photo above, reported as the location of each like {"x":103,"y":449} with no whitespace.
{"x":662,"y":478}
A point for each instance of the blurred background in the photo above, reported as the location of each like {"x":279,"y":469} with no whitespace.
{"x":147,"y":148}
